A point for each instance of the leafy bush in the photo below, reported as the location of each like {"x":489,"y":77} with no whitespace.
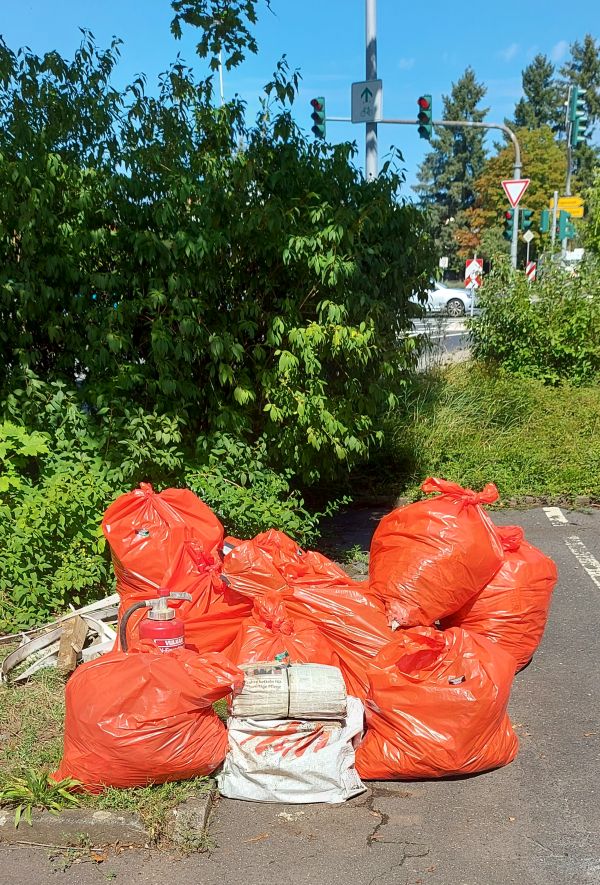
{"x":474,"y":426}
{"x":549,"y":330}
{"x":176,"y":261}
{"x":59,"y":473}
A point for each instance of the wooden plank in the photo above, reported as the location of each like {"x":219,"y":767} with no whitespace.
{"x":72,"y":640}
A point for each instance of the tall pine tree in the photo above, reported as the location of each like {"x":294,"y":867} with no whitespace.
{"x":447,"y":175}
{"x":542,"y":103}
{"x":583,"y":70}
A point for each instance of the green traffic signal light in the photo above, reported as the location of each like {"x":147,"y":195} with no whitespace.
{"x":578,"y":116}
{"x":526,"y":219}
{"x":425,"y":117}
{"x":318,"y":116}
{"x":509,"y":224}
{"x":544,"y":221}
{"x":566,"y":228}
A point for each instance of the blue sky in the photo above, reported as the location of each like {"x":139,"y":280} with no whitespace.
{"x":421,"y":48}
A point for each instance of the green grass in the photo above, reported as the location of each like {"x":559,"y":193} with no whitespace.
{"x":473,"y":427}
{"x":31,"y":736}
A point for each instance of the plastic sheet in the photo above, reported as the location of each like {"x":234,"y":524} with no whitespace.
{"x":314,"y":588}
{"x":145,"y":717}
{"x":271,"y":631}
{"x":429,"y":558}
{"x":512,"y":609}
{"x":437,"y":707}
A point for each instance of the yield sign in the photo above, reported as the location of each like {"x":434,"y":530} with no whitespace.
{"x":514,"y":188}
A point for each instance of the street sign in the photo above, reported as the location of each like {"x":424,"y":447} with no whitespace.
{"x":514,"y":188}
{"x":528,"y":236}
{"x":367,"y":101}
{"x":573,"y":205}
{"x":530,"y":270}
{"x":473,"y":273}
{"x":444,"y":262}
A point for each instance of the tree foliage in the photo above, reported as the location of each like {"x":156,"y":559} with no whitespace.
{"x":447,"y":175}
{"x":542,"y":103}
{"x":544,"y":163}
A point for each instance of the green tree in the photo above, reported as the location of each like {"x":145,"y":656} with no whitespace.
{"x":583,"y":70}
{"x":543,"y":163}
{"x":448,"y":173}
{"x":542,"y":103}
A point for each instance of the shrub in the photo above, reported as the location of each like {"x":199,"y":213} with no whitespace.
{"x":549,"y":330}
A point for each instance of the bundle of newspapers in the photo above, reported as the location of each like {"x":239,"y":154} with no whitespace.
{"x":279,"y":690}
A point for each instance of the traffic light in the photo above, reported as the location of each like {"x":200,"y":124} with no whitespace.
{"x":509,"y":224}
{"x":566,"y":228}
{"x":318,"y":116}
{"x":578,"y":116}
{"x":424,"y":117}
{"x":526,"y":219}
{"x":544,"y":221}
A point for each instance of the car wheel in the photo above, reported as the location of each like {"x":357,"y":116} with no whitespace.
{"x":455,"y":308}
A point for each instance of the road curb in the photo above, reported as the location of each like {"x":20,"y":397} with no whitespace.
{"x":186,"y":827}
{"x":67,"y":828}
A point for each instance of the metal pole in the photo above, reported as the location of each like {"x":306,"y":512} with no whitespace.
{"x":568,"y":126}
{"x":221,"y":77}
{"x":527,"y":259}
{"x":554,"y":213}
{"x":371,"y":74}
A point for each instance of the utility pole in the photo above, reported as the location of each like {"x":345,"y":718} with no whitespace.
{"x":371,"y":169}
{"x":554,"y":214}
{"x":568,"y":126}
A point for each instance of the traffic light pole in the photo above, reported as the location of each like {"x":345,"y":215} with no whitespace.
{"x":371,"y":74}
{"x":462,"y":124}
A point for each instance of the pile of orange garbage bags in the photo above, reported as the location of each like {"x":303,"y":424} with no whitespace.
{"x":454,"y":606}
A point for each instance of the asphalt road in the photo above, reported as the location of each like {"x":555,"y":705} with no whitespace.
{"x":535,"y":822}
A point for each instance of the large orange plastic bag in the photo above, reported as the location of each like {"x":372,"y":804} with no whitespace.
{"x":271,"y":632}
{"x":291,"y":760}
{"x":145,"y":717}
{"x":512,"y":609}
{"x":216,"y":612}
{"x":437,"y":707}
{"x":429,"y":558}
{"x":145,"y":530}
{"x":316,"y":589}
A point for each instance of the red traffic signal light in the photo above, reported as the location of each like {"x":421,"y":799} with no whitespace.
{"x":317,"y":105}
{"x":509,"y":214}
{"x":424,"y":102}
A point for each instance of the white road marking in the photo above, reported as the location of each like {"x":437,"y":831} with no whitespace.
{"x":585,"y":558}
{"x":555,"y":515}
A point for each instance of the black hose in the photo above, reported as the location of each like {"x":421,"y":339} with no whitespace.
{"x":123,"y":624}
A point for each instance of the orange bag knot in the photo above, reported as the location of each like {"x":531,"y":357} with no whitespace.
{"x":511,"y":536}
{"x":146,"y":489}
{"x":487,"y":495}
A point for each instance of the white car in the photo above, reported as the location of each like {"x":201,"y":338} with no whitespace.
{"x":451,"y":302}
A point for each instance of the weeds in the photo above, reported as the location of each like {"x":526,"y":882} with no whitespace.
{"x":36,"y":790}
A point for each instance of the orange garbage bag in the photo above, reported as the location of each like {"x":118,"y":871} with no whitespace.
{"x":216,"y":612}
{"x":316,"y":589}
{"x":512,"y":609}
{"x":437,"y":707}
{"x":146,"y":531}
{"x":145,"y":717}
{"x":429,"y":558}
{"x":271,"y":631}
